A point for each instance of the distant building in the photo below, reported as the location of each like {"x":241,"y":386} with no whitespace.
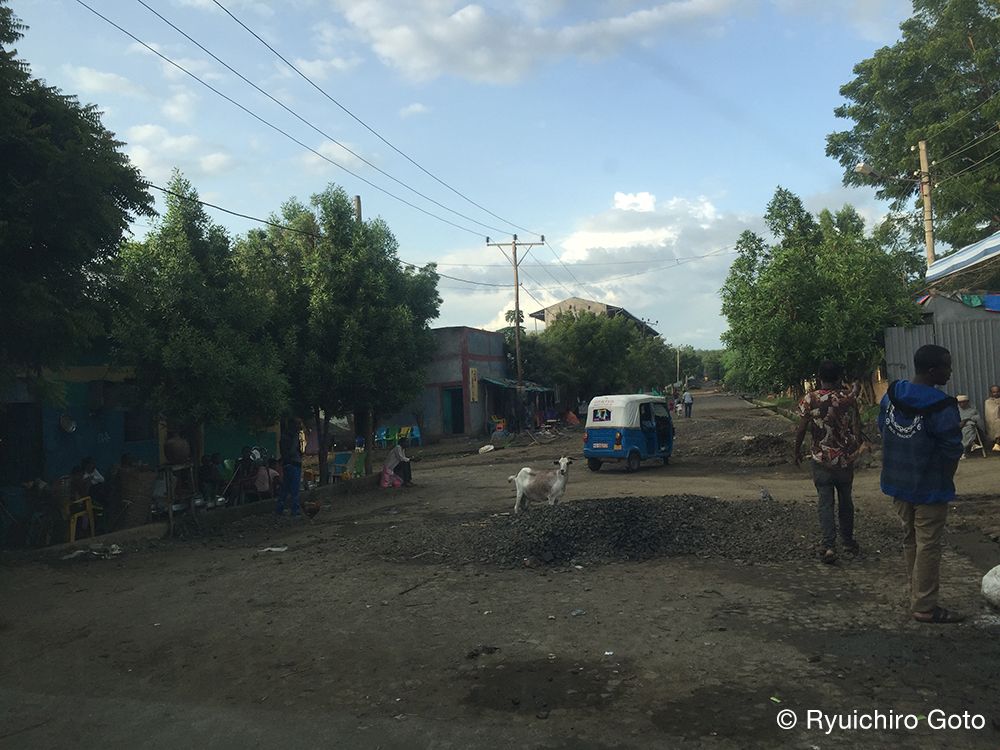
{"x":579,"y":305}
{"x":467,"y":388}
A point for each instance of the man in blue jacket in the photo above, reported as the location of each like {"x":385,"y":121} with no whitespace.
{"x":921,"y":446}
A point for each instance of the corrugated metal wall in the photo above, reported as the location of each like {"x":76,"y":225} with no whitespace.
{"x":974,"y":347}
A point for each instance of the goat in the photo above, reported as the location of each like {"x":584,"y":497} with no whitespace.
{"x":539,"y":485}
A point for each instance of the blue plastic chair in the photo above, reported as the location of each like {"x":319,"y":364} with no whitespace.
{"x":380,"y":440}
{"x":338,"y":466}
{"x":415,"y":435}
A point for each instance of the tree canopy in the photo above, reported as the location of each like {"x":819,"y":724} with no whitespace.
{"x":197,"y":335}
{"x":67,"y":196}
{"x":939,"y":83}
{"x":825,"y":290}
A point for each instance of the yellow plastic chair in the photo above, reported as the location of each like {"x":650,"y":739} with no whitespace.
{"x":82,"y":508}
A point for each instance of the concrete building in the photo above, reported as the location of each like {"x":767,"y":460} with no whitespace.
{"x":579,"y":304}
{"x":467,"y":387}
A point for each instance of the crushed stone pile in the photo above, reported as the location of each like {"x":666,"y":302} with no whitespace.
{"x":622,"y":529}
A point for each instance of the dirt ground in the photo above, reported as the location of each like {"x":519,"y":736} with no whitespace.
{"x":408,"y":618}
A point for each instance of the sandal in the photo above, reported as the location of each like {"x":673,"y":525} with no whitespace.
{"x":852,"y":547}
{"x":939,"y":616}
{"x":829,"y":556}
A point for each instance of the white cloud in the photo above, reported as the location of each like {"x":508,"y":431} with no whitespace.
{"x":320,"y":69}
{"x":872,"y":20}
{"x":413,"y":109}
{"x":635,"y":201}
{"x":89,"y":81}
{"x":215,"y":162}
{"x":333,"y":152}
{"x":424,"y":39}
{"x":260,"y":8}
{"x":179,"y":106}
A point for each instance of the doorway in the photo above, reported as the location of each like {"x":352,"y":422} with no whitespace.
{"x":452,"y":411}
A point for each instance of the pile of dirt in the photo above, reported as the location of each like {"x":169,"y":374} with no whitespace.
{"x":634,"y":528}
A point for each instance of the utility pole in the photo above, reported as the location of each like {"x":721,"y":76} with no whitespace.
{"x":370,"y":415}
{"x":678,"y":365}
{"x":513,"y":245}
{"x":925,"y":192}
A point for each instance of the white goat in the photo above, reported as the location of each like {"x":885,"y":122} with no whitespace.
{"x":540,"y":485}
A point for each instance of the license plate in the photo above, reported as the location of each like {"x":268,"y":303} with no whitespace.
{"x":600,"y":445}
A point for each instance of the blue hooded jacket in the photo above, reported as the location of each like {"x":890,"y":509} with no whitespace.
{"x":921,"y":441}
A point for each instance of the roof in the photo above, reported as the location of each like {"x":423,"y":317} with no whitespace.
{"x":627,"y":398}
{"x":511,"y":383}
{"x":967,"y":258}
{"x":612,"y":311}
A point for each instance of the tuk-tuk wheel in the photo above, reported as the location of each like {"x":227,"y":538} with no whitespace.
{"x":633,"y":461}
{"x":594,"y":464}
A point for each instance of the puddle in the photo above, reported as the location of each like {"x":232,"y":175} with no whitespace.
{"x":544,"y":685}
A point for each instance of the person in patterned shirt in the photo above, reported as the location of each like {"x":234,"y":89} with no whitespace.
{"x":830,"y":414}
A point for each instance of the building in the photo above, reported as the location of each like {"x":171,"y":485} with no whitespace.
{"x":578,"y":305}
{"x":467,"y":388}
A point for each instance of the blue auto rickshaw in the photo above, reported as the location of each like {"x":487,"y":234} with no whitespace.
{"x":629,"y":428}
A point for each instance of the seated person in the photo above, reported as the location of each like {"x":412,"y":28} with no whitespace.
{"x":97,"y":488}
{"x":971,"y":423}
{"x":396,"y":470}
{"x":267,"y":481}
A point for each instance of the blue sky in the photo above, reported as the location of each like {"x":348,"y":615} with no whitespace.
{"x":635,"y":135}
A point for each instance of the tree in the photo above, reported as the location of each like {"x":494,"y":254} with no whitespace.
{"x":198,"y":336}
{"x":356,"y":321}
{"x":824,"y":291}
{"x":939,"y":83}
{"x":67,"y":197}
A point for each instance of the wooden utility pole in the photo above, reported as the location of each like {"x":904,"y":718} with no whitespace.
{"x":370,"y":416}
{"x":925,"y":192}
{"x":513,"y":245}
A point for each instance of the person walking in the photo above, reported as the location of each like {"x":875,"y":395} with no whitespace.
{"x":293,"y":447}
{"x":921,"y":447}
{"x":830,"y":413}
{"x":688,"y":402}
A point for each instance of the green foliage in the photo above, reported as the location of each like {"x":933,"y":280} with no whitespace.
{"x":713,"y":363}
{"x":938,"y":83}
{"x":193,"y":327}
{"x":67,"y":196}
{"x":352,"y":322}
{"x":588,"y":355}
{"x":824,"y":291}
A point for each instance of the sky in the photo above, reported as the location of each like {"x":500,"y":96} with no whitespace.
{"x":639,"y":137}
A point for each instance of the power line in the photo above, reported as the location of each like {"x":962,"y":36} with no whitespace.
{"x":273,"y":126}
{"x":966,"y":169}
{"x":365,"y":125}
{"x":303,"y":232}
{"x":963,"y":116}
{"x":974,"y":142}
{"x":299,"y":117}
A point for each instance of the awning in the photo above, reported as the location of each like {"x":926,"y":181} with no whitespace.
{"x":510,"y":383}
{"x":966,"y":258}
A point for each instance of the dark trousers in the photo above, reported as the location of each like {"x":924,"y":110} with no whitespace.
{"x":403,"y":471}
{"x":289,"y":488}
{"x":687,"y":409}
{"x":830,"y":479}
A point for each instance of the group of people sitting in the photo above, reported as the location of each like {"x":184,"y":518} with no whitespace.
{"x":975,"y":430}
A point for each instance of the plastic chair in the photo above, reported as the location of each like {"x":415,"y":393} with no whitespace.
{"x":355,"y":466}
{"x":404,"y":434}
{"x":339,"y":464}
{"x":82,"y":508}
{"x":391,"y":436}
{"x":415,"y":435}
{"x":380,"y":437}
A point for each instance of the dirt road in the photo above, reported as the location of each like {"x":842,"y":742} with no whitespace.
{"x":404,"y":619}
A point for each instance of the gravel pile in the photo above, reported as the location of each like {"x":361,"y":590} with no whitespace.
{"x":634,"y":528}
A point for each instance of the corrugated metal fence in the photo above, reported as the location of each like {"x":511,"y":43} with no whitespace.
{"x":974,"y":347}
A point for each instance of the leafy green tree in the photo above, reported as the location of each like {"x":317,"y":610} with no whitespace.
{"x":356,"y":322}
{"x":939,"y":83}
{"x":67,"y":197}
{"x":825,"y":290}
{"x":198,"y":339}
{"x":713,"y":363}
